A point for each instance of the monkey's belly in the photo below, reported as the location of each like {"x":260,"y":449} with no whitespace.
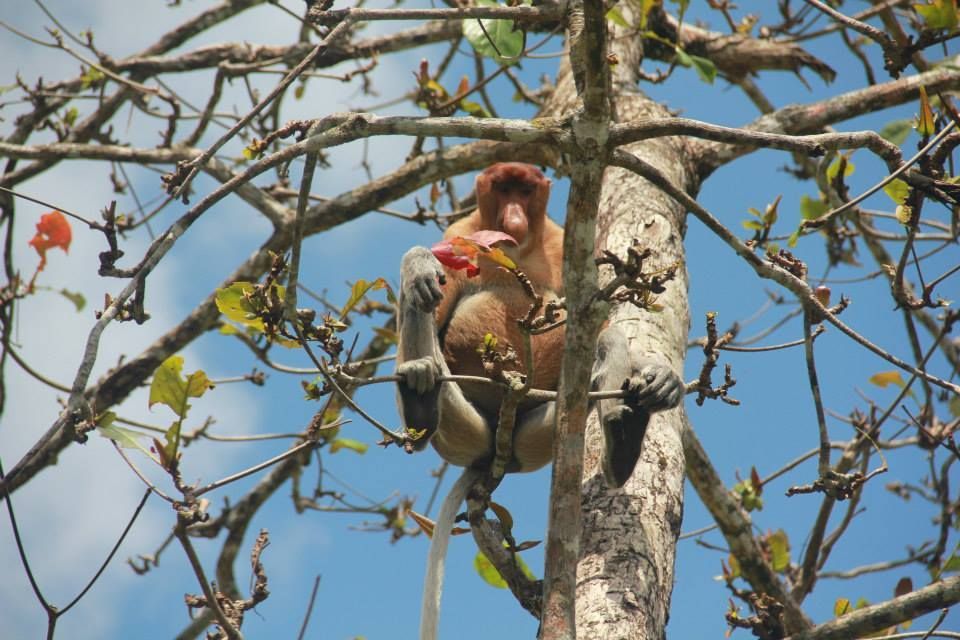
{"x":496,"y":312}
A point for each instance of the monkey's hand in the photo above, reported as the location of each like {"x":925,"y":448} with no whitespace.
{"x":420,"y":278}
{"x":419,"y":375}
{"x":419,"y":394}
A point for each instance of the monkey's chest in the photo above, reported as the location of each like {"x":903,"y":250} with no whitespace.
{"x":496,"y":312}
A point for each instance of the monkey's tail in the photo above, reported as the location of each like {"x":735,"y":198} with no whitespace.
{"x":437,"y":556}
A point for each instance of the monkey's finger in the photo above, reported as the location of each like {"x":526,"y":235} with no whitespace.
{"x":427,"y":294}
{"x":426,"y":378}
{"x":419,"y":375}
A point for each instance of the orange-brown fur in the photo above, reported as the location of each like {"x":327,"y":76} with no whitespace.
{"x":493,"y":301}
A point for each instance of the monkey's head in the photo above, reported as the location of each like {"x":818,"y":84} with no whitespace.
{"x":512,"y":197}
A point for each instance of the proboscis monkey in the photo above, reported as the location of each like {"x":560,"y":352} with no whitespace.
{"x":444,"y":316}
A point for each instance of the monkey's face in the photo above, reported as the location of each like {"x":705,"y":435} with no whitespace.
{"x":512,"y":198}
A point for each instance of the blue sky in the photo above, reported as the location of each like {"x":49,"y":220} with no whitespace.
{"x":71,"y":514}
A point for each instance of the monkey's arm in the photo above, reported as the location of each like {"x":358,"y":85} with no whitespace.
{"x":462,"y":434}
{"x":650,"y":385}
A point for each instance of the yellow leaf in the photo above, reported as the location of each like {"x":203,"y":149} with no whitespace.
{"x":497,"y":255}
{"x":841,"y":607}
{"x":898,"y":190}
{"x":488,"y":572}
{"x":925,"y":119}
{"x":886,"y":378}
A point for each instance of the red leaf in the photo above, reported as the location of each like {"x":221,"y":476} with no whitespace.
{"x":487,"y":238}
{"x":53,"y":230}
{"x":448,"y":255}
{"x":461,"y":252}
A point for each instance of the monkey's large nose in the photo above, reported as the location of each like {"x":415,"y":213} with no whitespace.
{"x":513,"y":220}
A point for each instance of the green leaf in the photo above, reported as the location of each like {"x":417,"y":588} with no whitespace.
{"x":898,"y":190}
{"x":491,"y":576}
{"x":475,"y":109}
{"x":91,"y":78}
{"x":170,"y":451}
{"x":169,"y":387}
{"x":752,"y":225}
{"x":70,"y":116}
{"x":770,"y":213}
{"x":704,"y":68}
{"x":75,"y":297}
{"x":811,"y":209}
{"x":617,"y":18}
{"x":938,"y":14}
{"x":346,"y":443}
{"x":234,"y":303}
{"x":954,"y":406}
{"x":500,"y":36}
{"x":488,"y":572}
{"x":749,"y":497}
{"x":779,"y":546}
{"x":126,"y":438}
{"x":897,"y":131}
{"x":358,"y":291}
{"x":793,"y":239}
{"x":834,"y":169}
{"x":951,"y":565}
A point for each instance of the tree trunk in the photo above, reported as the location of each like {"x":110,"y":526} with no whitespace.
{"x":626,"y":568}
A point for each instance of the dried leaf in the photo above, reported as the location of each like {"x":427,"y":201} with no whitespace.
{"x":53,"y":231}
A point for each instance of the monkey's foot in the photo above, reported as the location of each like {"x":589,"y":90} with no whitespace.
{"x":623,"y":430}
